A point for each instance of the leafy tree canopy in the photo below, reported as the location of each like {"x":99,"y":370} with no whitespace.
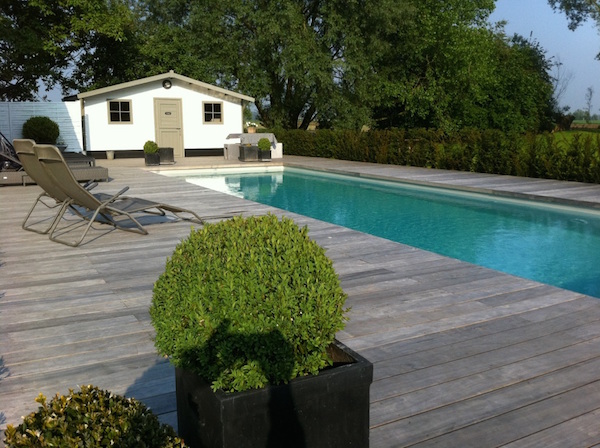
{"x":40,"y":39}
{"x":446,"y":68}
{"x":294,"y":57}
{"x":343,"y":63}
{"x":577,"y":11}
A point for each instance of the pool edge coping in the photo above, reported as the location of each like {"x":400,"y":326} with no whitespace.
{"x":464,"y":188}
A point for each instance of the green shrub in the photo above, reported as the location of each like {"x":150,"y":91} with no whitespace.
{"x":248,"y":302}
{"x":41,"y":129}
{"x":264,"y":144}
{"x":150,"y":147}
{"x":563,"y":155}
{"x":91,"y":418}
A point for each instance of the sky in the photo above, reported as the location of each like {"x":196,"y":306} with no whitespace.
{"x":575,"y":49}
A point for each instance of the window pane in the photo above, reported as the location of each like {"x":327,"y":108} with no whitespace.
{"x":125,"y":106}
{"x":113,"y":105}
{"x":125,"y":116}
{"x":212,"y":113}
{"x":114,"y":116}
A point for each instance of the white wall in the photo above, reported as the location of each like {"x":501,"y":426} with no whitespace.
{"x":66,"y":114}
{"x":102,"y":136}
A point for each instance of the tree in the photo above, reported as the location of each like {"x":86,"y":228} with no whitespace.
{"x":427,"y":61}
{"x":589,"y":94}
{"x":524,"y":99}
{"x":580,"y":115}
{"x":560,"y":79}
{"x":577,"y":11}
{"x":102,"y":58}
{"x":302,"y":60}
{"x":343,"y":63}
{"x":41,"y":39}
{"x":445,"y":68}
{"x":28,"y":50}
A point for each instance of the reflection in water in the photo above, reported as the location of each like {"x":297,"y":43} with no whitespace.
{"x":550,"y":244}
{"x":247,"y":186}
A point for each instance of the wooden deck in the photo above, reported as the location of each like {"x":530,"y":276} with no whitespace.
{"x":464,"y":356}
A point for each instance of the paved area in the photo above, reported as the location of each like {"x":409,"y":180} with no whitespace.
{"x":463,"y":356}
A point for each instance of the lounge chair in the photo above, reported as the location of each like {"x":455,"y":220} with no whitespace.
{"x":117,"y":210}
{"x":8,"y":156}
{"x":33,"y":168}
{"x":83,"y":167}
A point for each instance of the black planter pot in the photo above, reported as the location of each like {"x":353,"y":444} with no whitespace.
{"x":152,"y":159}
{"x":166,"y":156}
{"x":327,"y":410}
{"x":264,"y":156}
{"x":248,"y":153}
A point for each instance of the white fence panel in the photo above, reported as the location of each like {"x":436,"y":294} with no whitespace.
{"x":66,"y":114}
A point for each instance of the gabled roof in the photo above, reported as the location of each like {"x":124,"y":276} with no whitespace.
{"x":170,"y":75}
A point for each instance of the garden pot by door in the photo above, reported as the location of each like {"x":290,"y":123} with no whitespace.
{"x":152,"y":159}
{"x":168,"y":124}
{"x":166,"y":156}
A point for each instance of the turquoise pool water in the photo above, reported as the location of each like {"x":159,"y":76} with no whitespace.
{"x":551,"y":244}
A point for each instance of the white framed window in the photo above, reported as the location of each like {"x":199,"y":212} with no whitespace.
{"x":119,"y":111}
{"x":213,"y":113}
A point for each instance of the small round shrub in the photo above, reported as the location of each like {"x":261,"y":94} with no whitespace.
{"x":41,"y":129}
{"x":264,"y":144}
{"x":150,"y":147}
{"x":248,"y":302}
{"x":91,"y":418}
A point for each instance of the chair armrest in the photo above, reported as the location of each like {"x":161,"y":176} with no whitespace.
{"x":115,"y":197}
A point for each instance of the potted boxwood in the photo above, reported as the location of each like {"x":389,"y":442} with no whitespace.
{"x":151,"y":155}
{"x":247,"y":310}
{"x":264,"y":149}
{"x":41,"y":129}
{"x":91,"y":417}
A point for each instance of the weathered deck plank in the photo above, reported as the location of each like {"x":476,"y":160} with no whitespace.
{"x":464,"y":356}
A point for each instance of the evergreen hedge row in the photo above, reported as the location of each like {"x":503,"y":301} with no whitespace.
{"x":549,"y":156}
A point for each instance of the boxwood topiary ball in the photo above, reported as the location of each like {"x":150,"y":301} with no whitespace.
{"x":91,"y":417}
{"x":150,"y":147}
{"x":41,"y":129}
{"x":248,"y":302}
{"x":264,"y":144}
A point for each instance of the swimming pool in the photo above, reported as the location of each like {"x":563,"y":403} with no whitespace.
{"x":557,"y":245}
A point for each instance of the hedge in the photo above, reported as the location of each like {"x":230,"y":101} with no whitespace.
{"x":574,"y":156}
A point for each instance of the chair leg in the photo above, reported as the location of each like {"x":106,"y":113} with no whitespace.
{"x":100,"y":211}
{"x":24,"y":225}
